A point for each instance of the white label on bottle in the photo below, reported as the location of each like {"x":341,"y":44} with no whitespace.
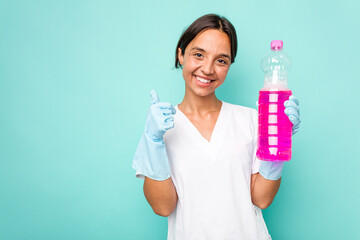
{"x":273,"y":140}
{"x":273,"y":97}
{"x":272,"y":129}
{"x":273,"y":108}
{"x":272,"y":119}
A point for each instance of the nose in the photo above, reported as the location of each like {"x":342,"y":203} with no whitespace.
{"x":208,"y":67}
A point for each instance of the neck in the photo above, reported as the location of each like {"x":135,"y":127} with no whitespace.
{"x":199,"y":105}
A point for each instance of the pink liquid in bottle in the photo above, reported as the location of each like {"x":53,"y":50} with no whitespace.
{"x":275,"y":128}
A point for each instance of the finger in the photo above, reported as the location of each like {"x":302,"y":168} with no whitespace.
{"x":295,"y":121}
{"x":164,"y":105}
{"x":173,"y":109}
{"x":295,"y":129}
{"x":169,"y":119}
{"x":293,"y":98}
{"x":166,"y":112}
{"x":154,"y":97}
{"x":161,"y":110}
{"x":292,"y":111}
{"x":169,"y":125}
{"x":293,"y":116}
{"x":291,"y":104}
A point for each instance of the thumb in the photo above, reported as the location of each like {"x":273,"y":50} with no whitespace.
{"x":173,"y":110}
{"x":154,"y":97}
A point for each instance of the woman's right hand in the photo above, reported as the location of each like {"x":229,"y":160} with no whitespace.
{"x":159,"y":118}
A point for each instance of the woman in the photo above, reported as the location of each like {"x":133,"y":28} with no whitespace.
{"x":198,"y":158}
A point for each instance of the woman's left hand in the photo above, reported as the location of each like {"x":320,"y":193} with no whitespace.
{"x":293,"y":112}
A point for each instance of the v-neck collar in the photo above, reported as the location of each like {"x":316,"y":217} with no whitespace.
{"x":212,"y":146}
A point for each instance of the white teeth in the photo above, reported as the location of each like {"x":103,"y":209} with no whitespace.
{"x":202,"y":80}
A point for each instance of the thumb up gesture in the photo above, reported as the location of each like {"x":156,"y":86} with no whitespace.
{"x":160,"y":118}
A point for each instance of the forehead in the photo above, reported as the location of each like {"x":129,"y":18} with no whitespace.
{"x":212,"y":40}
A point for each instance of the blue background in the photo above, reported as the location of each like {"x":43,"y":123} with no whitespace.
{"x":75,"y":78}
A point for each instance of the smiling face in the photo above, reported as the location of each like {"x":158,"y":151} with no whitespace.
{"x":206,"y":62}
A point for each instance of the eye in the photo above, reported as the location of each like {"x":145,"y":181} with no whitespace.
{"x":222,"y":61}
{"x":198,"y":55}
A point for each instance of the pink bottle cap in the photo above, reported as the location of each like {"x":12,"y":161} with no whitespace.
{"x":276,"y":45}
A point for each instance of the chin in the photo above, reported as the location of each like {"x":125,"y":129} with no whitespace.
{"x":203,"y":92}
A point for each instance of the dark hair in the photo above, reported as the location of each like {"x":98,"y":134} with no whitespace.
{"x":209,"y":21}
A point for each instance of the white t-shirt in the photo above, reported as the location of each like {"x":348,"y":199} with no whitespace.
{"x":212,"y":179}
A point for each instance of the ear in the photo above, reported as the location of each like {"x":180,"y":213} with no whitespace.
{"x":180,"y":57}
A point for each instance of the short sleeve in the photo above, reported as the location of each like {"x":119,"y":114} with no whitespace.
{"x":255,"y":161}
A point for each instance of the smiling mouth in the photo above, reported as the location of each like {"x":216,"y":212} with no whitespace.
{"x":203,"y":80}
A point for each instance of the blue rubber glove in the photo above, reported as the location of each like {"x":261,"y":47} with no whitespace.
{"x":271,"y":170}
{"x":159,"y":119}
{"x":150,"y":157}
{"x":293,"y":112}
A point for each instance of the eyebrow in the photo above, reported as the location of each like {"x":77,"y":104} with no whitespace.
{"x":202,"y":50}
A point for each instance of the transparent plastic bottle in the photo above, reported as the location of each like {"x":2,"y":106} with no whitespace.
{"x":275,"y":128}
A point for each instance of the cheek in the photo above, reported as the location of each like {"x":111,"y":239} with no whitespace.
{"x":222,"y":72}
{"x":187,"y":71}
{"x":191,"y":65}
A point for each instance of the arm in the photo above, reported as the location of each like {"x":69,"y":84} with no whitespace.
{"x":151,"y":158}
{"x":263,"y":191}
{"x":266,"y":183}
{"x":161,"y":195}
